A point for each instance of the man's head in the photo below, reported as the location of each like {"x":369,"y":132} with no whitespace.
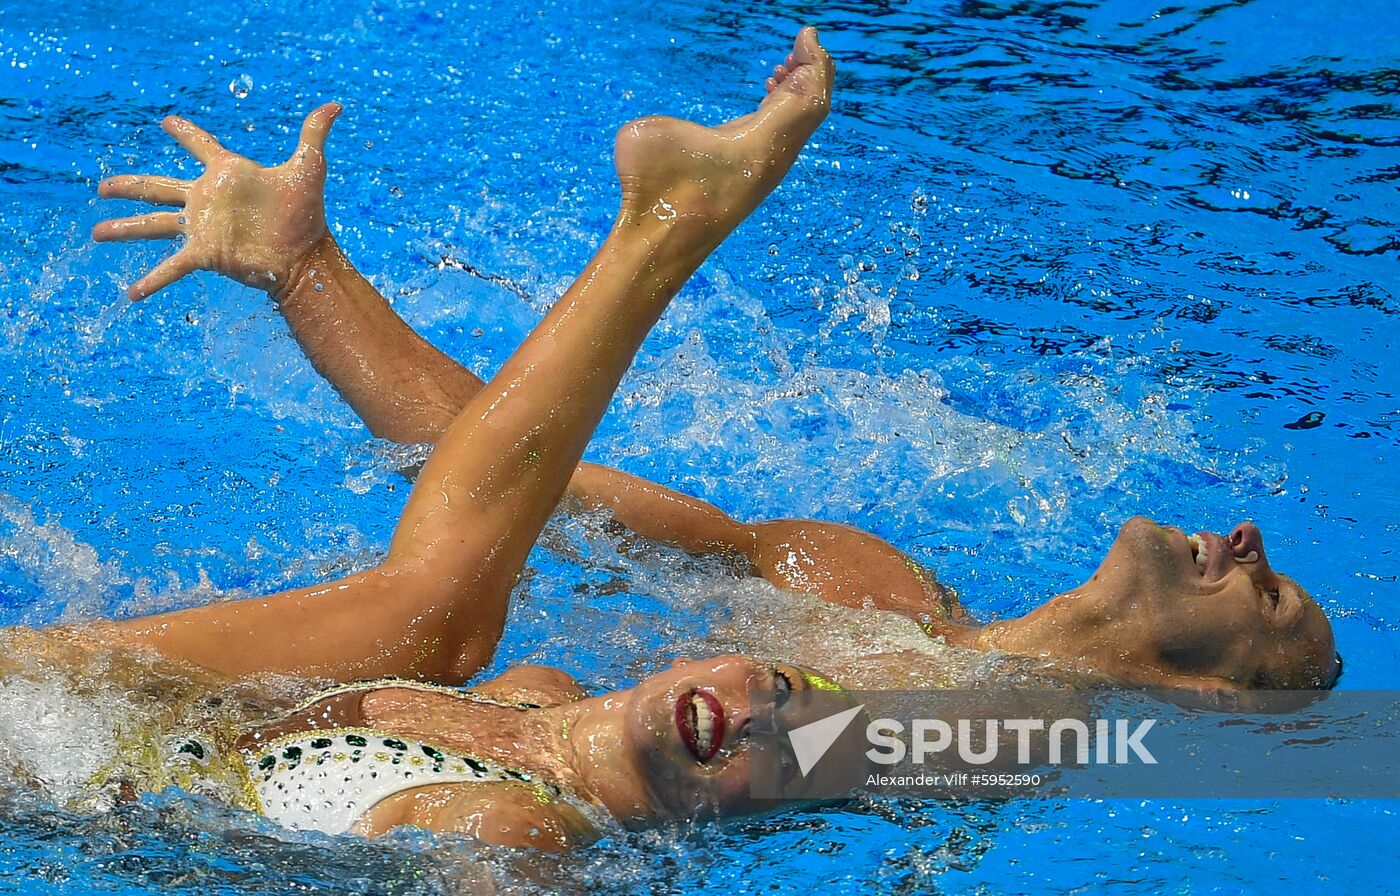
{"x":1201,"y":612}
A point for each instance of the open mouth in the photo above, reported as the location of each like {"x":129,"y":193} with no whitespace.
{"x":700,"y":720}
{"x":1203,"y":543}
{"x":1200,"y":552}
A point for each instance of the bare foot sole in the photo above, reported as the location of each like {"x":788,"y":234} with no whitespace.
{"x":683,"y":173}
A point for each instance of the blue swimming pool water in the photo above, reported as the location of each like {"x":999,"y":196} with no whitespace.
{"x":1048,"y":265}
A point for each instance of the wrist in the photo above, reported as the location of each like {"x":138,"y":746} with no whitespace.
{"x":307,"y":273}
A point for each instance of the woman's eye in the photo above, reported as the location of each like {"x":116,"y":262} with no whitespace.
{"x":782,"y":687}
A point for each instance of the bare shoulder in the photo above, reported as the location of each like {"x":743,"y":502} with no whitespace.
{"x":506,"y":814}
{"x":846,"y":566}
{"x":525,"y":683}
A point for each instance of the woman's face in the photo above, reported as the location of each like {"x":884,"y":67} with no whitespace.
{"x":688,"y":730}
{"x":1208,"y":609}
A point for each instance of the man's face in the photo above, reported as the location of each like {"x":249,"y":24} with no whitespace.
{"x":1208,"y":610}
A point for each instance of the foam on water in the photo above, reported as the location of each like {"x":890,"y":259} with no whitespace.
{"x":860,"y":649}
{"x":55,"y":741}
{"x":88,"y":728}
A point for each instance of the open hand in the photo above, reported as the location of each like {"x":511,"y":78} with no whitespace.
{"x":242,"y":220}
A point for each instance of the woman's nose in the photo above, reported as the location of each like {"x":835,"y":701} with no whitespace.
{"x":1247,"y":544}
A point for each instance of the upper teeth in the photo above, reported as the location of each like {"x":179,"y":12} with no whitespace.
{"x":704,"y":723}
{"x":1198,"y":550}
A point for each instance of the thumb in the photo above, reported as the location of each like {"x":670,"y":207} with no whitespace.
{"x":316,"y":128}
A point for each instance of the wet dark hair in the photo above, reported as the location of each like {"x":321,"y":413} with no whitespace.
{"x":1338,"y":677}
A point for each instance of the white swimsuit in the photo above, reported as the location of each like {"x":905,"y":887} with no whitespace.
{"x":326,"y":780}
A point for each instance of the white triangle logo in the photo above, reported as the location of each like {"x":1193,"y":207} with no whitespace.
{"x":811,"y":741}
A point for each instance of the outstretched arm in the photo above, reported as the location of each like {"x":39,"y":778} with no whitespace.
{"x":835,"y":563}
{"x":408,"y":391}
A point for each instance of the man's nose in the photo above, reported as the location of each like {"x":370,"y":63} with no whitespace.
{"x":1247,"y":544}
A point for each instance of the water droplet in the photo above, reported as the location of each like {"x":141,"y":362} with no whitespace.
{"x":477,"y":333}
{"x":183,"y":220}
{"x":396,"y":192}
{"x":319,"y":287}
{"x":241,"y":86}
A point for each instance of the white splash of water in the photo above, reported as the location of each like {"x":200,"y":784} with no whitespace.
{"x":52,"y":738}
{"x":68,"y":572}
